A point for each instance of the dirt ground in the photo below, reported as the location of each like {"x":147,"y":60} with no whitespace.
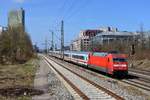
{"x":142,"y":64}
{"x":16,"y":81}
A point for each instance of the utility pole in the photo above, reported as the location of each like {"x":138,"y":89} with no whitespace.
{"x":62,"y":39}
{"x":55,"y":48}
{"x":142,"y":36}
{"x":46,"y":45}
{"x":52,"y":41}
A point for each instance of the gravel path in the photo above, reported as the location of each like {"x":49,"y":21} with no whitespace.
{"x":47,"y":81}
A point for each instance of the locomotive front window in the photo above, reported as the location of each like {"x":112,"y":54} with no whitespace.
{"x":119,"y":60}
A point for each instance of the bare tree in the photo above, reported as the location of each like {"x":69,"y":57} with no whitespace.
{"x":15,"y":46}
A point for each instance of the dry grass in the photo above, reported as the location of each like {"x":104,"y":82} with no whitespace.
{"x":15,"y":98}
{"x":20,"y":75}
{"x":134,"y":91}
{"x":142,"y":64}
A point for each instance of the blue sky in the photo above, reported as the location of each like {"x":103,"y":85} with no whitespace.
{"x":45,"y":15}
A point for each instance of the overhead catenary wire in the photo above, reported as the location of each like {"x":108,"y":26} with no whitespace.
{"x":61,"y":13}
{"x":61,"y":10}
{"x":70,"y":8}
{"x":78,"y":9}
{"x":56,"y":23}
{"x":73,"y":9}
{"x":66,"y":14}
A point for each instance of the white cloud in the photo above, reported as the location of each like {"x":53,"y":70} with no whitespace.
{"x":19,"y":1}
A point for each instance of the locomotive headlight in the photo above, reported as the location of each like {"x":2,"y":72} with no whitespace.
{"x":123,"y":65}
{"x":116,"y":65}
{"x":120,"y":65}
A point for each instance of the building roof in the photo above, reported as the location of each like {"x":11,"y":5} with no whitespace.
{"x":116,"y":33}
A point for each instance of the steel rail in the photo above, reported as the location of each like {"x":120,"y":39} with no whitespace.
{"x":91,"y":82}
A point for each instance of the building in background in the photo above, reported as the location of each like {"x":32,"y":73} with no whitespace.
{"x":82,"y":42}
{"x":88,"y":39}
{"x":1,"y":29}
{"x":113,"y":38}
{"x":108,"y":29}
{"x":16,"y":18}
{"x":76,"y":45}
{"x":108,"y":37}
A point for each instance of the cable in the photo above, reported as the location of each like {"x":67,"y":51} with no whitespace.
{"x":77,"y":11}
{"x":59,"y":13}
{"x":57,"y":37}
{"x":61,"y":9}
{"x":68,"y":13}
{"x":72,"y":5}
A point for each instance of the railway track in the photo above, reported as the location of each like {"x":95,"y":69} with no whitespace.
{"x":140,"y":73}
{"x":141,"y":83}
{"x":145,"y":72}
{"x":85,"y":88}
{"x":138,"y":84}
{"x":142,"y":79}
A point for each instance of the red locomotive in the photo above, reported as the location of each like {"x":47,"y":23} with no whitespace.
{"x":111,"y":63}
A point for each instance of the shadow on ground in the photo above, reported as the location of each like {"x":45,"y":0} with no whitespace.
{"x":19,"y":91}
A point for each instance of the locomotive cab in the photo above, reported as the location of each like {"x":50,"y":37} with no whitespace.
{"x":109,"y":63}
{"x":119,"y":65}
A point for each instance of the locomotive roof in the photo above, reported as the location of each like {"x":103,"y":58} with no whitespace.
{"x":86,"y":53}
{"x":119,"y":55}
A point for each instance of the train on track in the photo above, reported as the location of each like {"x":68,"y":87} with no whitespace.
{"x":108,"y":62}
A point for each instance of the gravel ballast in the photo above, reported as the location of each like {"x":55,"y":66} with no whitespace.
{"x":57,"y":89}
{"x":47,"y":81}
{"x":125,"y":91}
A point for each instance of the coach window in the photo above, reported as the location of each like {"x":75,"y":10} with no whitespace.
{"x":74,"y":56}
{"x":66,"y":55}
{"x":82,"y":57}
{"x":79,"y":57}
{"x":86,"y":58}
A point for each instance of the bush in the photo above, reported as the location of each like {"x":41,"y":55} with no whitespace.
{"x":15,"y":46}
